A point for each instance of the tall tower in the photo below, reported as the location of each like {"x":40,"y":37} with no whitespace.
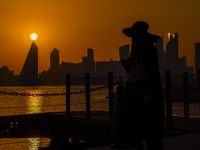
{"x":54,"y":59}
{"x":90,"y":54}
{"x":29,"y":72}
{"x":197,"y":57}
{"x":172,"y":60}
{"x":89,"y":63}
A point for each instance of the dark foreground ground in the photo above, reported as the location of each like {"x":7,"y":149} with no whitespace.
{"x":173,"y":139}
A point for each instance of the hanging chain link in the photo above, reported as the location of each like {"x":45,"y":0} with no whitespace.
{"x":53,"y":94}
{"x":73,"y":93}
{"x":28,"y":94}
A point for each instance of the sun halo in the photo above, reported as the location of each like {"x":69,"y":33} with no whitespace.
{"x":33,"y":36}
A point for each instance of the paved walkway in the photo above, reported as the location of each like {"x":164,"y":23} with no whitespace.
{"x":181,"y":142}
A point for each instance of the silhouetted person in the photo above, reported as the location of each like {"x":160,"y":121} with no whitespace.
{"x":143,"y":109}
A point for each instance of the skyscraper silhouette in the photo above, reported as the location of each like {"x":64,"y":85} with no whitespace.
{"x":172,"y":53}
{"x":197,"y":57}
{"x":29,"y":72}
{"x":89,"y":63}
{"x":54,"y":59}
{"x":54,"y":67}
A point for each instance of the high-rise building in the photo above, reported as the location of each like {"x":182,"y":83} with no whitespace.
{"x":54,"y":59}
{"x":6,"y":76}
{"x":29,"y":72}
{"x":197,"y":57}
{"x":89,"y":63}
{"x":90,"y":54}
{"x":182,"y":63}
{"x":172,"y":60}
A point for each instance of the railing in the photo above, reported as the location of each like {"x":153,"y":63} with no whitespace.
{"x":180,"y":91}
{"x":87,"y":93}
{"x":187,"y":94}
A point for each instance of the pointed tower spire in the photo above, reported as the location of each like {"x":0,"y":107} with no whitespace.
{"x":29,"y":72}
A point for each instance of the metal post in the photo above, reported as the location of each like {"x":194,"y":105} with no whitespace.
{"x":168,"y":98}
{"x":186,"y":99}
{"x":110,"y":90}
{"x":87,"y":96}
{"x":68,"y":95}
{"x":199,"y":85}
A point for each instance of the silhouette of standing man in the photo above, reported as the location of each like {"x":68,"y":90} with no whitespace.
{"x":143,"y":110}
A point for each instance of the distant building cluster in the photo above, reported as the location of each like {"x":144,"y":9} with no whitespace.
{"x":197,"y":57}
{"x":169,"y":60}
{"x":55,"y":75}
{"x":7,"y":77}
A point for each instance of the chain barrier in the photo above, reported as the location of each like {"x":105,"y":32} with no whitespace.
{"x":71,"y":93}
{"x":54,"y":94}
{"x":28,"y":94}
{"x":50,"y":94}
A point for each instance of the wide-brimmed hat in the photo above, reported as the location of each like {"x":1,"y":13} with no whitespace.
{"x":139,"y":32}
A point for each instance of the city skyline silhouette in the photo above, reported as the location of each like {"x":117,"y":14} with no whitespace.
{"x":73,"y":26}
{"x":55,"y":74}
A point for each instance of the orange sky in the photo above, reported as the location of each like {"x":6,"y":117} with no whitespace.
{"x":72,"y":26}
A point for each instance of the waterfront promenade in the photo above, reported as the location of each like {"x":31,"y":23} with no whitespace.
{"x":180,"y":142}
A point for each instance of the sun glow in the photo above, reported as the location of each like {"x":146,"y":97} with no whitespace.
{"x":33,"y":36}
{"x":169,"y":35}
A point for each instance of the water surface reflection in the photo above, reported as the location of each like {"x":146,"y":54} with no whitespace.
{"x":34,"y":105}
{"x":34,"y":143}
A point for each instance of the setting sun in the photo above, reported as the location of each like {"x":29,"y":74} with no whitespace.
{"x":33,"y":36}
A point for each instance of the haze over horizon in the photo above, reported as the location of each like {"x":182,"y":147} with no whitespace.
{"x":74,"y":26}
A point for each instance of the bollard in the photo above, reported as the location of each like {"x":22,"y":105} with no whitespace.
{"x":186,"y":99}
{"x":199,"y":85}
{"x":110,"y":92}
{"x":68,"y":95}
{"x":168,"y":98}
{"x":87,"y":95}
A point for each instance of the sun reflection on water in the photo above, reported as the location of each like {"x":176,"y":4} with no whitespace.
{"x":34,"y":105}
{"x":34,"y":143}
